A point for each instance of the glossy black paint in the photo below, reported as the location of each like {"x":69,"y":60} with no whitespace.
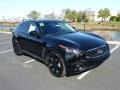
{"x":39,"y":45}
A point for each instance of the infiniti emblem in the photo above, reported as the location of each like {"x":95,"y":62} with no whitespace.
{"x":100,"y":51}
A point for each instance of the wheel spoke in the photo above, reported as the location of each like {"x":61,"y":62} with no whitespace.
{"x":56,"y":61}
{"x":53,"y":70}
{"x":55,"y":65}
{"x":58,"y":68}
{"x":51,"y":66}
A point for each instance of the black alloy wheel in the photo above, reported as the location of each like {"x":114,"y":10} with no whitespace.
{"x":55,"y":64}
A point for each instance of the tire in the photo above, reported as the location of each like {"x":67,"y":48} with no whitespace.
{"x":56,"y":64}
{"x":16,"y":48}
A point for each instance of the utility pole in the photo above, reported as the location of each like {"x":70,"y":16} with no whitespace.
{"x":84,"y":26}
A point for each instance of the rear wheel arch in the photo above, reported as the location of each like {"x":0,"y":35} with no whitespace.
{"x":15,"y":39}
{"x":16,"y":47}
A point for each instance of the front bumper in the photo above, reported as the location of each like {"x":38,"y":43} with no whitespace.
{"x":78,"y":64}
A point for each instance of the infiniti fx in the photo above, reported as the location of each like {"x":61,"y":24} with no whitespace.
{"x":64,"y":50}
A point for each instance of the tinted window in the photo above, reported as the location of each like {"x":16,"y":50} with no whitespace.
{"x":55,"y":27}
{"x":32,"y":27}
{"x":23,"y":27}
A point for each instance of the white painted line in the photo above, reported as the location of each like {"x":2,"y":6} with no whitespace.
{"x":114,"y":42}
{"x":117,"y":46}
{"x":4,"y":43}
{"x":4,"y":34}
{"x":6,"y":51}
{"x":29,"y":61}
{"x":4,"y":37}
{"x":85,"y":73}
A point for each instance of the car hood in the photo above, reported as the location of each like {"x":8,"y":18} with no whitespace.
{"x":81,"y":40}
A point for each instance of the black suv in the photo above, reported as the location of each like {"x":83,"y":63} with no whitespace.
{"x":64,"y":50}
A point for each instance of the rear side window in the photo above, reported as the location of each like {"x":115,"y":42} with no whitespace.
{"x":23,"y":27}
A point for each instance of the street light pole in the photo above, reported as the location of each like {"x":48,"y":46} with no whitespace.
{"x":82,"y":22}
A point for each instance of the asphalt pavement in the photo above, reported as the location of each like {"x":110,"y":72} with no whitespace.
{"x":25,"y":73}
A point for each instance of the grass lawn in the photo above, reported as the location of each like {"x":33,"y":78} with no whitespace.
{"x":5,"y":31}
{"x":97,"y":25}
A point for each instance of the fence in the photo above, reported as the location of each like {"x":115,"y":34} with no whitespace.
{"x":7,"y":26}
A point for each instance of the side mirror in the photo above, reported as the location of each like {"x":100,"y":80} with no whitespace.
{"x":73,"y":27}
{"x":33,"y":33}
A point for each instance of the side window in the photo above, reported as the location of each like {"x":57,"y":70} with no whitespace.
{"x":18,"y":28}
{"x":23,"y":27}
{"x":32,"y":27}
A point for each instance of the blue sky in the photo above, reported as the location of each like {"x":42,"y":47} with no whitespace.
{"x":16,"y":8}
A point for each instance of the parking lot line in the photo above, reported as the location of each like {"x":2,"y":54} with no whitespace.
{"x":6,"y":51}
{"x":29,"y":61}
{"x":85,"y":73}
{"x":4,"y":37}
{"x":117,"y":46}
{"x":4,"y":43}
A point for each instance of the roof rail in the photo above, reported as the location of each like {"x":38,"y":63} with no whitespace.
{"x":26,"y":19}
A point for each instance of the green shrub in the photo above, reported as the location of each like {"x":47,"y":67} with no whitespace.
{"x":113,"y":18}
{"x":118,"y":19}
{"x":86,"y":20}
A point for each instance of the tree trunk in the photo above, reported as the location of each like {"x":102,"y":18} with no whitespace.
{"x":102,"y":19}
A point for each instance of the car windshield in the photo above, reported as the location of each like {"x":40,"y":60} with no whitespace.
{"x":55,"y":27}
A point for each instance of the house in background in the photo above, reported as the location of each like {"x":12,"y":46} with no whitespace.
{"x":90,"y":14}
{"x":50,"y":16}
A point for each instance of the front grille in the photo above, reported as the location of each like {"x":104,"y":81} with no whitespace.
{"x":97,"y":52}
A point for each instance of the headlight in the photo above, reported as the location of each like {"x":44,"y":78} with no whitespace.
{"x":71,"y":50}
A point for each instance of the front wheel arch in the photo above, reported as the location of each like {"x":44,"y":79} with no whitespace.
{"x":48,"y":50}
